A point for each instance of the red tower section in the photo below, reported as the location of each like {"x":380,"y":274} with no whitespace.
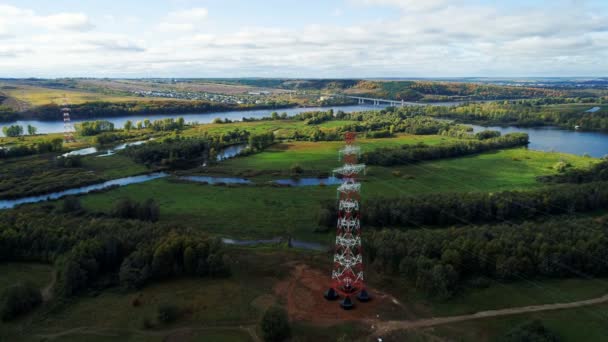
{"x":68,"y":128}
{"x":347,"y":275}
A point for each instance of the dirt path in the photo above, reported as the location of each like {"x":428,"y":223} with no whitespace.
{"x":177,"y":334}
{"x":384,"y":327}
{"x":47,"y":291}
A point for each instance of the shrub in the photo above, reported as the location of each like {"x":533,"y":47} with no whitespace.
{"x":19,"y":299}
{"x":71,"y":204}
{"x":561,"y":166}
{"x":167,"y":313}
{"x":69,"y":161}
{"x":296,"y":169}
{"x":531,"y":331}
{"x":275,"y":325}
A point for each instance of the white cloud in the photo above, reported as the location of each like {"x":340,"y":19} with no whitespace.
{"x":434,"y":38}
{"x":184,"y":20}
{"x":15,"y":17}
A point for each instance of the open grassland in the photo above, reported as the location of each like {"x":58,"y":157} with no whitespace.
{"x":571,"y":325}
{"x":240,"y":211}
{"x":281,"y":128}
{"x":36,"y":96}
{"x":267,"y":211}
{"x":497,"y":295}
{"x":15,"y":272}
{"x":319,"y":156}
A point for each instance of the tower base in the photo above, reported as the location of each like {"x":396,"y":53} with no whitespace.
{"x":363,"y":296}
{"x":331,"y":294}
{"x":347,"y":303}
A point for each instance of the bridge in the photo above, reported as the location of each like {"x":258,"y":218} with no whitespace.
{"x":376,"y":101}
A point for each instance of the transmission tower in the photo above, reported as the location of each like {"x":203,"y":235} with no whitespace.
{"x":347,"y":274}
{"x":68,"y":128}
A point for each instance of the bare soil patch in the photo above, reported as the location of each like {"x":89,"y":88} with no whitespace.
{"x":302,"y":293}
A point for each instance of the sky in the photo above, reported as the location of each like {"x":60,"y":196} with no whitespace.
{"x":303,"y":38}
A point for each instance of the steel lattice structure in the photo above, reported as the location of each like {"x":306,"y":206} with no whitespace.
{"x":347,"y":274}
{"x":68,"y":128}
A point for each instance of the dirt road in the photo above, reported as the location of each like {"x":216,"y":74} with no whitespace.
{"x":384,"y":327}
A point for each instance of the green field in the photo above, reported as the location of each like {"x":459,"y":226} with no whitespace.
{"x":266,"y":211}
{"x":15,"y":272}
{"x":572,"y":325}
{"x":36,"y":96}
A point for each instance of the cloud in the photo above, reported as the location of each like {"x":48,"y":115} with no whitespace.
{"x":183,"y":20}
{"x":19,"y":17}
{"x":426,"y":38}
{"x":65,"y":21}
{"x":409,"y":5}
{"x":117,"y":45}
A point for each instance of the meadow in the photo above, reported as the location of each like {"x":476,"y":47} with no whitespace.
{"x":37,"y":96}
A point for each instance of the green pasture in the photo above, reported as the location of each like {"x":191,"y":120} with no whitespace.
{"x":13,"y":273}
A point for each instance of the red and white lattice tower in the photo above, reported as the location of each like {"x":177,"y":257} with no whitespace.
{"x":68,"y":128}
{"x":347,"y":274}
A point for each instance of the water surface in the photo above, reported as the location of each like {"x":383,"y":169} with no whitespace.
{"x":554,"y":139}
{"x":7,"y":204}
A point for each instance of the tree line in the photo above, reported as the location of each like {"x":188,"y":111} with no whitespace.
{"x":105,"y":252}
{"x":441,"y":261}
{"x":596,"y":173}
{"x":522,"y":113}
{"x":173,"y":152}
{"x":443,"y":209}
{"x":406,"y":154}
{"x":45,"y":146}
{"x":100,"y":109}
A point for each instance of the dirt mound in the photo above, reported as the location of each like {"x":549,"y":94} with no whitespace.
{"x":303,"y":292}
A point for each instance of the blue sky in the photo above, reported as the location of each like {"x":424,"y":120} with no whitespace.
{"x":331,"y":38}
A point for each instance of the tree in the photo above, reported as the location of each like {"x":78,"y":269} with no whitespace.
{"x":19,"y":299}
{"x":31,"y":130}
{"x":12,"y":131}
{"x":167,"y":313}
{"x":71,"y":204}
{"x":531,"y":331}
{"x":128,"y":125}
{"x":275,"y":325}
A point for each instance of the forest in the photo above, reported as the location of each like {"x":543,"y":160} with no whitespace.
{"x":442,"y":261}
{"x":444,"y":209}
{"x":105,"y":252}
{"x":521,"y":113}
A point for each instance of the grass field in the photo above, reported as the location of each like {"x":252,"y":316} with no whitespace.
{"x":15,"y":272}
{"x":587,"y":324}
{"x":265,"y":211}
{"x":498,"y":295}
{"x":36,"y":96}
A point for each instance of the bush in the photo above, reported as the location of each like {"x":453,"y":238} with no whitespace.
{"x":531,"y":331}
{"x":69,"y":161}
{"x":19,"y":299}
{"x":296,"y":169}
{"x":167,"y":313}
{"x":561,"y":166}
{"x":129,"y":209}
{"x":275,"y":325}
{"x":71,"y":204}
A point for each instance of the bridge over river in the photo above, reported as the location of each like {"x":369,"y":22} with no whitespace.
{"x":378,"y":102}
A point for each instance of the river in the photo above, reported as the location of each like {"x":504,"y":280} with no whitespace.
{"x":119,"y":121}
{"x":554,"y":139}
